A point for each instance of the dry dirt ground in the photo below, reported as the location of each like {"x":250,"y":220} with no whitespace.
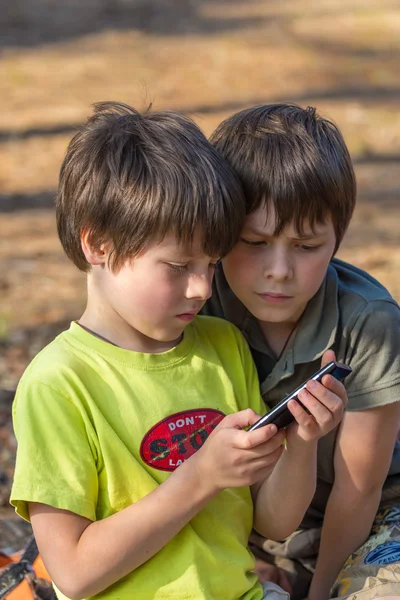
{"x":208,"y":59}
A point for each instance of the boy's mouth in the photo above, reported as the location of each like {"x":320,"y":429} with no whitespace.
{"x":274,"y":298}
{"x":188,"y":316}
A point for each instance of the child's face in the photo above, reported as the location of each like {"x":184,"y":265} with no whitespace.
{"x":154,"y":296}
{"x":276,"y":276}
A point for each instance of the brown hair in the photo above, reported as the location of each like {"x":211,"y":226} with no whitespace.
{"x":294,"y":158}
{"x":130,"y":177}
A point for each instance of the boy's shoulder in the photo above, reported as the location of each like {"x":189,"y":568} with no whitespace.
{"x":356,"y":285}
{"x":359,"y":296}
{"x":54,"y":361}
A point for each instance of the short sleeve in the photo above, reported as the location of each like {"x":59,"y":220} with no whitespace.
{"x":375,"y":357}
{"x":56,"y":459}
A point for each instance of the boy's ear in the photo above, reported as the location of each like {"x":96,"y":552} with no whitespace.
{"x":94,"y":255}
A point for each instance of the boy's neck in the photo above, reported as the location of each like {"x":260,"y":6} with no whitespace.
{"x":279,"y":336}
{"x":124,"y":336}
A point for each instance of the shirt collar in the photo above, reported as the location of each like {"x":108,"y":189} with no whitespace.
{"x":319,"y":323}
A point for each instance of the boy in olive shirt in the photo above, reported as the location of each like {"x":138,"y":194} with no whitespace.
{"x":293,"y":301}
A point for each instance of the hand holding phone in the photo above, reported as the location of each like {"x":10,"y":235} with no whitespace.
{"x":280,"y":415}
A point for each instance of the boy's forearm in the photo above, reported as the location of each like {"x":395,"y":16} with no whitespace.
{"x":284,"y":497}
{"x":347,"y":524}
{"x":109,"y":549}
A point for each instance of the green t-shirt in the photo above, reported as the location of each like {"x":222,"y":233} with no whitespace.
{"x":99,"y":427}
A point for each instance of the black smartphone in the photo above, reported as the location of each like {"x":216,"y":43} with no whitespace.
{"x":280,"y":415}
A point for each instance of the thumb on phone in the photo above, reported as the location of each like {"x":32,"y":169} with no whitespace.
{"x":240,"y":420}
{"x":327,"y":357}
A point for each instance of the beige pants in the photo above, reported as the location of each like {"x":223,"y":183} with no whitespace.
{"x":370,"y":573}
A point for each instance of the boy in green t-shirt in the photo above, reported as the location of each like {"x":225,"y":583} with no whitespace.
{"x":133,"y":464}
{"x":293,"y":302}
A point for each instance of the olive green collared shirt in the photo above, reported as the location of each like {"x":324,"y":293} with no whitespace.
{"x":354,"y":315}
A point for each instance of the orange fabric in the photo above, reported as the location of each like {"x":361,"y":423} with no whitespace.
{"x":5,"y":560}
{"x":40,"y":569}
{"x":23,"y":590}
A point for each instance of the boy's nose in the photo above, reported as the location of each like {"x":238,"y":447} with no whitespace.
{"x":279,"y":267}
{"x":199,"y":286}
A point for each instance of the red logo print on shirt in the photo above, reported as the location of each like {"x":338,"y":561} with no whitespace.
{"x":174,"y":439}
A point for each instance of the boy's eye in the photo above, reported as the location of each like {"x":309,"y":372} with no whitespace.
{"x":177,"y":268}
{"x":184,"y":268}
{"x":308,"y":248}
{"x":252,"y":243}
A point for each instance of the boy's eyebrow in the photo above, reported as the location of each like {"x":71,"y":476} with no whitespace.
{"x":187,"y":254}
{"x":308,"y":235}
{"x":299,"y":236}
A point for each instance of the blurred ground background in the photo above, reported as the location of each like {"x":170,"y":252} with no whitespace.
{"x":208,"y":59}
